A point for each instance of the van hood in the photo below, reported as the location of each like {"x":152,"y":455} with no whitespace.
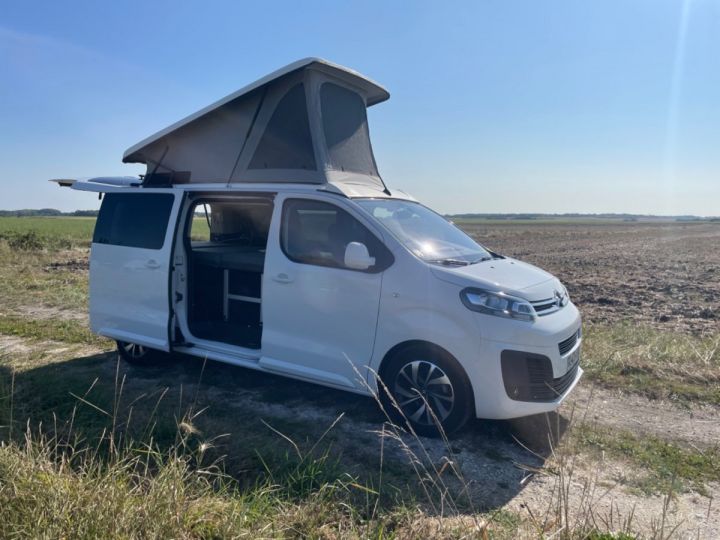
{"x":508,"y":275}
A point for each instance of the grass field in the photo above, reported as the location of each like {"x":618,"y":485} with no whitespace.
{"x":33,"y":233}
{"x":188,"y":450}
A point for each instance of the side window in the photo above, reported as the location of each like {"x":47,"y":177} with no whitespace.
{"x":236,"y":223}
{"x":200,"y":224}
{"x":134,"y":219}
{"x":315,"y":232}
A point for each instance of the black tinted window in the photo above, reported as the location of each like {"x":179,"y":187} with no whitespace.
{"x":315,"y":232}
{"x":286,"y":143}
{"x":344,"y":119}
{"x":133,"y":219}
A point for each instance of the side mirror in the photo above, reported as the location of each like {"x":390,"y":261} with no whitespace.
{"x":357,"y":256}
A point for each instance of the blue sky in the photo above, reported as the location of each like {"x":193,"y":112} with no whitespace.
{"x":497,"y":105}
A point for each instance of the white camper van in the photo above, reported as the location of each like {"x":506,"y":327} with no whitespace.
{"x":262,"y":235}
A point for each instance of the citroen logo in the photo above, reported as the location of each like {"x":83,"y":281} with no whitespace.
{"x":559,"y":298}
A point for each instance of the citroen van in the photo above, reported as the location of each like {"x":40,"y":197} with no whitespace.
{"x":263,"y":236}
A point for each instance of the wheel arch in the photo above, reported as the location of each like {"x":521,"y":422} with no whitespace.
{"x":430,"y":346}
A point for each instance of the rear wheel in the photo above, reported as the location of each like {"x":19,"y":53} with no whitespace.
{"x":430,"y":389}
{"x":139,"y":354}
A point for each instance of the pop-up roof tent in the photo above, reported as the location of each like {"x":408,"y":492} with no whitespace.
{"x":305,"y":123}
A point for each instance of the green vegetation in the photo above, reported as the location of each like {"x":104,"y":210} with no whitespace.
{"x":72,"y":428}
{"x":660,"y":465}
{"x":47,"y":212}
{"x":200,"y":231}
{"x":51,"y":233}
{"x":657,"y":364}
{"x":50,"y":489}
{"x":611,"y":536}
{"x":43,"y":279}
{"x":65,"y":330}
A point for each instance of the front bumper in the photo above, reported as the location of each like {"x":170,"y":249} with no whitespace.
{"x":527,"y":369}
{"x":529,"y":377}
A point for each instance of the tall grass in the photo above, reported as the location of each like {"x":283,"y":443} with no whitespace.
{"x":659,"y":364}
{"x":51,"y":487}
{"x":54,"y":482}
{"x":124,"y":482}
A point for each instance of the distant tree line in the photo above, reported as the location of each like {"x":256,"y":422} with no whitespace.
{"x":624,"y":217}
{"x":46,"y":212}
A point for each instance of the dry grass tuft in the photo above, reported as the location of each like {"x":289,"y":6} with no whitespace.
{"x":660,"y":365}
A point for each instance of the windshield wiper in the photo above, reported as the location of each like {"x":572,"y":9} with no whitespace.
{"x":449,"y":262}
{"x":493,"y":256}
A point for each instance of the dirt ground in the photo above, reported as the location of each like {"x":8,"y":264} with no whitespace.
{"x":663,"y":274}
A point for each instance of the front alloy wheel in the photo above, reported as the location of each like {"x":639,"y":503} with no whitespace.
{"x":426,"y":389}
{"x":424,"y":393}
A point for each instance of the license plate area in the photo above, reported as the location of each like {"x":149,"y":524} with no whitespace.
{"x":572,"y":359}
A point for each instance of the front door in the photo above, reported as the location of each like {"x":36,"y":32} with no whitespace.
{"x":320,"y":317}
{"x":130,"y":266}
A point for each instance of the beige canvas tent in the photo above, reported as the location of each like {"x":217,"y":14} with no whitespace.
{"x":306,"y":122}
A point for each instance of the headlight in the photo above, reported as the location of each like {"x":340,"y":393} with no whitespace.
{"x":562,"y":296}
{"x":498,"y":304}
{"x":567,"y":295}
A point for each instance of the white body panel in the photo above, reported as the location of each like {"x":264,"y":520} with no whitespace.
{"x":319,"y":322}
{"x":129,"y":288}
{"x":334,"y":326}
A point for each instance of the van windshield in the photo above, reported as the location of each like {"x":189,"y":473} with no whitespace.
{"x":427,"y":234}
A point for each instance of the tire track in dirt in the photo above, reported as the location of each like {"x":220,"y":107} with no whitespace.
{"x":694,"y":425}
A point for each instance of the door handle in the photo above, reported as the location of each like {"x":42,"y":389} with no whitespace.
{"x":152,"y":264}
{"x":282,"y":277}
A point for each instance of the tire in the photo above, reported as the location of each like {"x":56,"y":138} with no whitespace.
{"x":409,"y":376}
{"x":140,"y":355}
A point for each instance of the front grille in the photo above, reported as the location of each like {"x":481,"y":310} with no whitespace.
{"x":560,"y":385}
{"x":545,"y":307}
{"x":566,"y":345}
{"x":529,"y":377}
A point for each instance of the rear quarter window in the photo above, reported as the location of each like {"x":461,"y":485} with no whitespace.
{"x":137,"y":220}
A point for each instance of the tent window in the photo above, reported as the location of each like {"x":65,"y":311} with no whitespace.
{"x":286,"y":143}
{"x":344,"y":118}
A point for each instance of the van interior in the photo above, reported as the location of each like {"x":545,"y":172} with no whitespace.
{"x":225,"y":242}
